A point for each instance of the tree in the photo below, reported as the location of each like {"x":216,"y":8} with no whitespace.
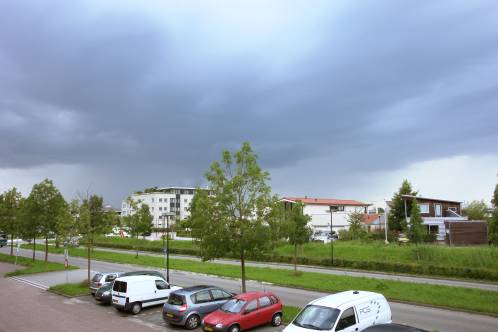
{"x":92,"y":221}
{"x":44,"y":206}
{"x":493,"y":221}
{"x":140,"y":222}
{"x":297,"y":230}
{"x":416,"y":230}
{"x":355,"y":220}
{"x":494,"y":200}
{"x":397,"y":217}
{"x":10,"y":214}
{"x":235,"y":214}
{"x":67,"y":222}
{"x":475,"y":210}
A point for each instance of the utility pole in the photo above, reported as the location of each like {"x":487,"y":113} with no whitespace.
{"x":332,"y":209}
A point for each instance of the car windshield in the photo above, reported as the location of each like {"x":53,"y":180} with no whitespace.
{"x":233,"y":306}
{"x":97,"y":277}
{"x":317,"y":318}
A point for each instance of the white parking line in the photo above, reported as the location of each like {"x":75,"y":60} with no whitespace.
{"x":29,"y":282}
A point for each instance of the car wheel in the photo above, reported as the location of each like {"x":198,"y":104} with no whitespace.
{"x":234,"y":328}
{"x":193,"y":322}
{"x":276,"y":320}
{"x":136,"y":308}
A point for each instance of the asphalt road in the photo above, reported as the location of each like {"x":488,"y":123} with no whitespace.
{"x":423,"y":317}
{"x":343,"y":272}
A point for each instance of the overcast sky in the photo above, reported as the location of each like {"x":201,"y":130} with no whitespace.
{"x":339,"y":99}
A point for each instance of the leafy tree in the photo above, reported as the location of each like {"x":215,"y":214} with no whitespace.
{"x":67,"y":222}
{"x":235,"y":217}
{"x":10,"y":214}
{"x":476,"y":210}
{"x":140,"y":222}
{"x":355,"y":220}
{"x":494,"y":200}
{"x":92,"y":221}
{"x":397,"y":220}
{"x":416,"y":230}
{"x":493,"y":228}
{"x":44,"y":206}
{"x":297,"y":230}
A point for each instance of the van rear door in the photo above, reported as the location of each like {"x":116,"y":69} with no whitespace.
{"x":119,"y":292}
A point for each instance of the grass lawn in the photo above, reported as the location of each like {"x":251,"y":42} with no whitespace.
{"x":78,"y":289}
{"x":442,"y":296}
{"x":289,"y":313}
{"x":467,"y":259}
{"x":28,"y":266}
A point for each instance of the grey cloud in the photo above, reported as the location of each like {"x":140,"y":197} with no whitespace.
{"x":156,"y":91}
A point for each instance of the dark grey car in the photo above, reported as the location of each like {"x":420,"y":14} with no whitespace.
{"x":188,"y":306}
{"x":393,"y":328}
{"x":102,"y":279}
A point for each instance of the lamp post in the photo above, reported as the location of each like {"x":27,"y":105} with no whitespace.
{"x":166,"y":250}
{"x":332,"y":210}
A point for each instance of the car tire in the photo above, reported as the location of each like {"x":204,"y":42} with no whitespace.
{"x":234,"y":328}
{"x":276,"y":320}
{"x":193,"y":322}
{"x":136,"y":308}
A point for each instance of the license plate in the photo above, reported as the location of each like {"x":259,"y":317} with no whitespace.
{"x":169,"y":315}
{"x":208,"y":329}
{"x":114,"y":301}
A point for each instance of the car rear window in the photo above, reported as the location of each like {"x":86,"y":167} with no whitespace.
{"x":176,"y":299}
{"x":97,"y":277}
{"x":119,"y":286}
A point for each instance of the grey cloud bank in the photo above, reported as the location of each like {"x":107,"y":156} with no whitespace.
{"x":131,"y":94}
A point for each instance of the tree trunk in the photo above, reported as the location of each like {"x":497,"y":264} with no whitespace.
{"x":34,"y":247}
{"x":295,"y":259}
{"x":136,"y":255}
{"x":243,"y":270}
{"x":46,"y":248}
{"x":12,"y":244}
{"x":88,"y":258}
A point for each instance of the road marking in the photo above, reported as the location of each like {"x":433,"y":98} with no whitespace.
{"x":29,"y":282}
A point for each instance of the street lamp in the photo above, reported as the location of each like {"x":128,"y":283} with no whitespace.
{"x":166,"y":216}
{"x":332,"y":209}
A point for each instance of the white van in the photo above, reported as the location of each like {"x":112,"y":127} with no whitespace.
{"x":133,"y":293}
{"x":348,"y":311}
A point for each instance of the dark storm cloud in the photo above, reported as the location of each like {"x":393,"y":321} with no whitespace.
{"x":149,"y":94}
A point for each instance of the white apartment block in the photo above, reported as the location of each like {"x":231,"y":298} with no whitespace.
{"x":174,"y":201}
{"x":319,"y":211}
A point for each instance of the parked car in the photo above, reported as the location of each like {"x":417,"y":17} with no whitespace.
{"x":132,"y":293}
{"x":245,"y":311}
{"x":101,"y":279}
{"x":393,"y":328}
{"x":188,"y":306}
{"x":3,"y":240}
{"x":346,"y":311}
{"x":324,"y":237}
{"x":103,"y":294}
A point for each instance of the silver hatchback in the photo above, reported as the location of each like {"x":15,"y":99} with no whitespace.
{"x":102,"y":279}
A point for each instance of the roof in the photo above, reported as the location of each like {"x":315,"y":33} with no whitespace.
{"x":325,"y":201}
{"x":137,"y":277}
{"x":194,"y":288}
{"x":251,"y":295}
{"x":343,"y":298}
{"x":371,"y":218}
{"x":430,"y":199}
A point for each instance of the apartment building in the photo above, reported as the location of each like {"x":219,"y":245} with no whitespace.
{"x":173,"y":202}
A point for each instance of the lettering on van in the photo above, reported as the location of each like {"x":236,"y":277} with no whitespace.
{"x":364,"y":310}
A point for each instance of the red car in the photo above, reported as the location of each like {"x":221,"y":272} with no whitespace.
{"x":245,"y":311}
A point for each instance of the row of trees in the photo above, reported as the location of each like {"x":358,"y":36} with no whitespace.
{"x":45,"y":214}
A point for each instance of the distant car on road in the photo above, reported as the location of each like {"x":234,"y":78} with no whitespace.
{"x":133,"y":293}
{"x":324,"y":237}
{"x":188,"y":306}
{"x":102,"y":279}
{"x":393,"y":328}
{"x":3,"y":240}
{"x":348,"y":311}
{"x":245,"y":311}
{"x":72,"y":241}
{"x":103,"y":294}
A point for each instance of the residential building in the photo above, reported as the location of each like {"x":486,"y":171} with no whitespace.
{"x":171,"y":202}
{"x":434,"y":213}
{"x":319,"y":209}
{"x":374,"y":222}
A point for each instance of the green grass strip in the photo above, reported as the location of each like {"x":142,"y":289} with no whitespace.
{"x":435,"y":295}
{"x":31,"y":267}
{"x":77,"y":289}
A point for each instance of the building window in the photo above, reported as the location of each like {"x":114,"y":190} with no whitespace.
{"x":160,"y":208}
{"x":452,"y":208}
{"x":438,"y":208}
{"x":160,"y":200}
{"x":185,"y":200}
{"x":152,"y":209}
{"x":172,"y":200}
{"x":185,"y":209}
{"x":424,"y":208}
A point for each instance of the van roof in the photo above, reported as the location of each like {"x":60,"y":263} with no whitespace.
{"x":346,"y":298}
{"x":138,"y":277}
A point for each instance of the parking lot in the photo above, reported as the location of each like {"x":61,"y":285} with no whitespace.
{"x":29,"y":308}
